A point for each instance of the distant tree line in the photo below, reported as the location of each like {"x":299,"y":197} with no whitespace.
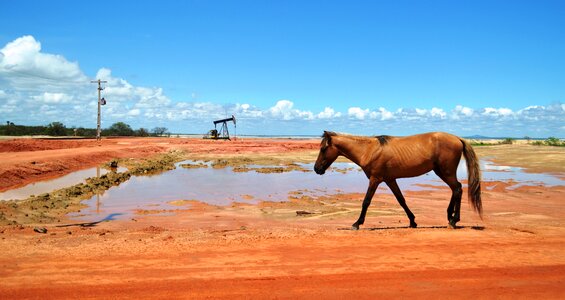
{"x":550,"y":141}
{"x":59,"y":129}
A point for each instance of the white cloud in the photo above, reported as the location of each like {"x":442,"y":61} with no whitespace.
{"x":421,"y":112}
{"x":385,"y":114}
{"x":497,"y":112}
{"x":39,"y":88}
{"x":134,"y":112}
{"x":328,"y":113}
{"x":358,"y":113}
{"x":246,"y":110}
{"x":437,"y":112}
{"x":24,"y":65}
{"x":53,"y":98}
{"x":462,"y":110}
{"x":284,"y":110}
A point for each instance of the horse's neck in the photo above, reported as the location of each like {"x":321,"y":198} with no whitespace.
{"x":353,"y":149}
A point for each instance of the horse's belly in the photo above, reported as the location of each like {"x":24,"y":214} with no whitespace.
{"x":409,"y":171}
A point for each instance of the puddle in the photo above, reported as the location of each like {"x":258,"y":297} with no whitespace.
{"x":48,"y":186}
{"x":492,"y":172}
{"x":224,"y":186}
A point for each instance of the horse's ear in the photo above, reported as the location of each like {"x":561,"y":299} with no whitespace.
{"x":327,"y":138}
{"x":328,"y":135}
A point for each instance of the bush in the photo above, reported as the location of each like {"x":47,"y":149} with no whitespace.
{"x":119,"y":129}
{"x":553,"y":141}
{"x":507,"y":141}
{"x":550,"y":141}
{"x":56,"y":129}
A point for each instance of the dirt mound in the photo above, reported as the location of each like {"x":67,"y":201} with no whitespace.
{"x":21,"y":145}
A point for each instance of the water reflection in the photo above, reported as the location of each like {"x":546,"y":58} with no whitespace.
{"x":48,"y":186}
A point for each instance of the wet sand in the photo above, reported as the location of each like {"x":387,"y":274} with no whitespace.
{"x":268,"y":250}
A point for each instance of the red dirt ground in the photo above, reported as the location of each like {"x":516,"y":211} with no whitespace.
{"x":266,"y":251}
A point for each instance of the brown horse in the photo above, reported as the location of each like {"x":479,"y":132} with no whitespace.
{"x":386,"y":158}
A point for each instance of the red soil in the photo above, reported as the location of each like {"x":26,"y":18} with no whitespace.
{"x":266,"y":251}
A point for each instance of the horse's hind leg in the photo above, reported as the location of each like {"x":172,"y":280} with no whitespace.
{"x":398,"y":194}
{"x":454,"y":208}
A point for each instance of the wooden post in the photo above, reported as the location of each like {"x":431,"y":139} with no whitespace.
{"x":98,"y":119}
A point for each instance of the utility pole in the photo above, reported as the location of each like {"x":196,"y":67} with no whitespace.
{"x":99,"y":90}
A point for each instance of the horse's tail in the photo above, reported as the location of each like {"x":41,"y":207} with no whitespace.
{"x":474,"y":177}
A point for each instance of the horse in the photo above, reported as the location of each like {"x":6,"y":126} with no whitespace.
{"x":386,"y":158}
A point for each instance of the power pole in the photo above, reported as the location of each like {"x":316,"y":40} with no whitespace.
{"x":99,"y":90}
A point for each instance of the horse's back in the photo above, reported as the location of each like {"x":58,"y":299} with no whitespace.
{"x":431,"y":141}
{"x":417,"y":154}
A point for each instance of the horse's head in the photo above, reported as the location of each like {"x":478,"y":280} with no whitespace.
{"x":328,"y":153}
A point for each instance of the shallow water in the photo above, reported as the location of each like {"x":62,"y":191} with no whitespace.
{"x":223,"y":186}
{"x":48,"y":186}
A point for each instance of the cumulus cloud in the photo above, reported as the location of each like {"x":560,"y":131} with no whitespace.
{"x":24,"y":65}
{"x":462,"y":111}
{"x":361,"y":114}
{"x":53,"y":98}
{"x":385,"y":114}
{"x":284,"y":110}
{"x":358,"y":113}
{"x":38,"y":88}
{"x":497,"y":112}
{"x":328,"y":113}
{"x":134,"y":112}
{"x":437,"y":112}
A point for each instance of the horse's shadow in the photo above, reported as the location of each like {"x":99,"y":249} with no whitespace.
{"x":110,"y":217}
{"x":408,"y":227}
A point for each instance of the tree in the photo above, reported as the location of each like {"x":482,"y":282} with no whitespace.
{"x":159,"y":131}
{"x":56,"y":129}
{"x":119,"y":129}
{"x":142,"y":132}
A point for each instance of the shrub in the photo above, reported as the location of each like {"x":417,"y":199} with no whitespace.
{"x":553,"y":141}
{"x":119,"y":129}
{"x":56,"y":129}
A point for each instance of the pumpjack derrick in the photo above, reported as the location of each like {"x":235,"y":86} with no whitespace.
{"x":223,"y":133}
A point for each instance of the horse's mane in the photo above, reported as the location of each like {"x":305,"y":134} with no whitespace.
{"x":383,"y":139}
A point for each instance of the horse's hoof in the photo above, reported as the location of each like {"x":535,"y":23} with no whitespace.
{"x":354,"y":227}
{"x":452,"y":225}
{"x":413,"y":225}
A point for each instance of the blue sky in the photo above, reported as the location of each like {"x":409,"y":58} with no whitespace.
{"x":289,"y":67}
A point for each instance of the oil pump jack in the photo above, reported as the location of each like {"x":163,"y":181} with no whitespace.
{"x":223,"y":133}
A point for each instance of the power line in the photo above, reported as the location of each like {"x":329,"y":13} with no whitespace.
{"x":41,"y":77}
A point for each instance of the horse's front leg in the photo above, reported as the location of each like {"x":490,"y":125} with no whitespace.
{"x":373,"y":184}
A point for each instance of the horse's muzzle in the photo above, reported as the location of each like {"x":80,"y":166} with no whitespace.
{"x":319,"y":170}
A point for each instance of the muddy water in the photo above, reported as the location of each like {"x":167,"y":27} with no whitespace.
{"x":223,"y":186}
{"x":47,"y":186}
